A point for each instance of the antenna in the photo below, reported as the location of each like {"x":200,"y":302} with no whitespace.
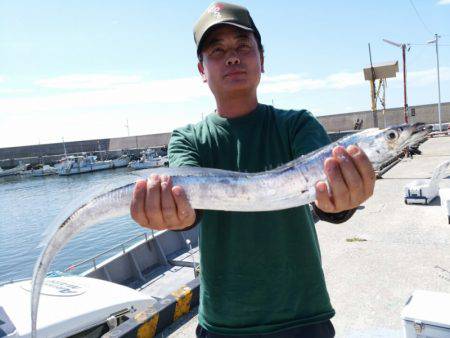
{"x":128,"y":128}
{"x":396,"y":44}
{"x":64,"y":145}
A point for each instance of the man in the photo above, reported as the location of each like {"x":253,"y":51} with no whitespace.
{"x":261,"y":272}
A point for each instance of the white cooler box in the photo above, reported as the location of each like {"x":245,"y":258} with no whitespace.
{"x":427,"y":315}
{"x":425,"y":190}
{"x":444,"y":194}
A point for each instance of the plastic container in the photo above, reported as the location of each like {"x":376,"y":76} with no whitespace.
{"x":425,"y":190}
{"x":444,"y":195}
{"x":427,"y":315}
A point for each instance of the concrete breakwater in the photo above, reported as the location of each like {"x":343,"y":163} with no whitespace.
{"x":337,"y":125}
{"x":426,"y":113}
{"x":51,"y":153}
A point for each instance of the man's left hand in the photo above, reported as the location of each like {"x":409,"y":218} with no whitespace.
{"x":351,"y":178}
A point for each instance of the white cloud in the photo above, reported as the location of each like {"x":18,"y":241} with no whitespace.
{"x":15,"y":91}
{"x":2,"y":79}
{"x":422,"y":78}
{"x":16,"y":129}
{"x":429,"y":76}
{"x":90,"y":106}
{"x":88,"y":81}
{"x":444,"y":2}
{"x":161,"y":91}
{"x":123,"y":92}
{"x":292,"y":83}
{"x":103,"y":91}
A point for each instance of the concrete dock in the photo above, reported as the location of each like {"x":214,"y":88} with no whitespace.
{"x":388,"y":249}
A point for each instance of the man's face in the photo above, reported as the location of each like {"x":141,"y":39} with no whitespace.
{"x":232,"y":62}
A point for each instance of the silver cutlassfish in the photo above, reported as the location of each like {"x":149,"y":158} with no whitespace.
{"x":290,"y":185}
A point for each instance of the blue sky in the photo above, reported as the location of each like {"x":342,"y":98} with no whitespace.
{"x":79,"y":70}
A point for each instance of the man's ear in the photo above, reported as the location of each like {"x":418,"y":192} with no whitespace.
{"x":262,"y":62}
{"x":201,"y":70}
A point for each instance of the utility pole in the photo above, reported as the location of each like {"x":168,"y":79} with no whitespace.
{"x":405,"y":107}
{"x":436,"y":41}
{"x":383,"y":103}
{"x":379,"y":72}
{"x":403,"y":46}
{"x":373,"y":94}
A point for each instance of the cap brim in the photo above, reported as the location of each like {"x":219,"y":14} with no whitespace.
{"x":218,"y":24}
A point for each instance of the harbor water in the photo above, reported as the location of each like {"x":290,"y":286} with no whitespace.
{"x":30,"y":207}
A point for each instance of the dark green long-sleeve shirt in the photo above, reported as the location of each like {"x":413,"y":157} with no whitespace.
{"x":260,"y":271}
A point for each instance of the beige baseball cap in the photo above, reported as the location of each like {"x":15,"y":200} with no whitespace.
{"x":219,"y":13}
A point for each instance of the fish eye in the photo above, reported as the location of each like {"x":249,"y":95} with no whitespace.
{"x":391,"y":135}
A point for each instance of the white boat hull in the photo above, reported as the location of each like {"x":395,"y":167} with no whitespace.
{"x":87,"y":168}
{"x":144,"y":165}
{"x":120,"y":163}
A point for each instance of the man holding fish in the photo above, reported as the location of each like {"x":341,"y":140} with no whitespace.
{"x":261,"y":272}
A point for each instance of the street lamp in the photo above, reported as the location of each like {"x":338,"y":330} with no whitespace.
{"x":403,"y":46}
{"x":436,"y":41}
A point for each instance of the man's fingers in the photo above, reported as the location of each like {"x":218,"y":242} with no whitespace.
{"x":168,"y":207}
{"x":364,"y":168}
{"x":323,"y":201}
{"x":185,"y":212}
{"x":351,"y":176}
{"x":339,"y":190}
{"x":153,"y":203}
{"x":138,"y":203}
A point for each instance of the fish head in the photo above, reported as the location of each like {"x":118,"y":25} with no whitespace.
{"x":380,"y":145}
{"x":401,"y":136}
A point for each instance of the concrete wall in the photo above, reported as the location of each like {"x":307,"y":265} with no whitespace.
{"x":52,"y":152}
{"x":423,"y":113}
{"x":113,"y":144}
{"x":138,"y":142}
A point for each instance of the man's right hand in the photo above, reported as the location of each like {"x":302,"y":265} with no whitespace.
{"x":157,"y":205}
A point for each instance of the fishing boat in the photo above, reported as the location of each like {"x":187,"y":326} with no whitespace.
{"x":121,"y":161}
{"x":13,"y":171}
{"x":82,"y":164}
{"x":41,"y":170}
{"x":149,"y":159}
{"x":95,"y":295}
{"x":71,"y":307}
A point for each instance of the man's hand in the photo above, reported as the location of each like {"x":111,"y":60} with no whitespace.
{"x":351,"y":178}
{"x":157,"y":205}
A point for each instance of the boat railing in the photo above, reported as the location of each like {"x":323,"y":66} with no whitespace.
{"x":94,"y":259}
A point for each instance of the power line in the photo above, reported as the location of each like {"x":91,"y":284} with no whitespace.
{"x":414,"y":59}
{"x":426,"y":44}
{"x":420,"y":18}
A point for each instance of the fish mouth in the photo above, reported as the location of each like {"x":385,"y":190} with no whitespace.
{"x":421,"y":127}
{"x":419,"y":130}
{"x":410,"y":134}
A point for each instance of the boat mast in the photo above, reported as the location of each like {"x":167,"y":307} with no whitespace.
{"x":65,"y":150}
